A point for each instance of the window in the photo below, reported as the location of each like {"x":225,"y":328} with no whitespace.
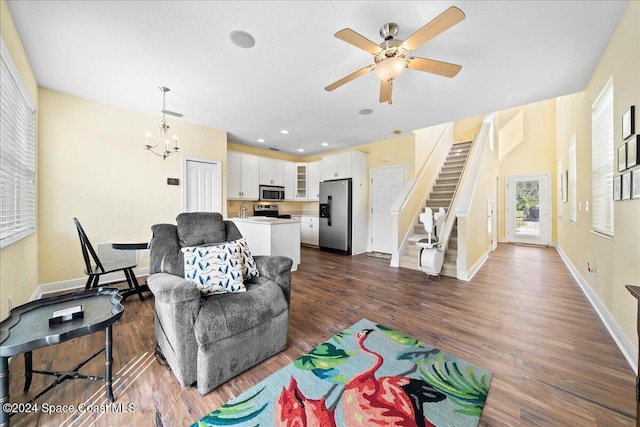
{"x":572,"y":181}
{"x":17,"y":155}
{"x":602,"y":160}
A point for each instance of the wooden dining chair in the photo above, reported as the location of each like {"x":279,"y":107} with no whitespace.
{"x":95,"y":268}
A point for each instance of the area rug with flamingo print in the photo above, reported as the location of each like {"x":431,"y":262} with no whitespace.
{"x":366,"y":375}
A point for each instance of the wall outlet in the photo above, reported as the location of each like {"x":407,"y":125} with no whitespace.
{"x":144,"y":253}
{"x":10,"y":302}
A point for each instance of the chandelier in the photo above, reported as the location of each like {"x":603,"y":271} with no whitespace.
{"x":164,"y":141}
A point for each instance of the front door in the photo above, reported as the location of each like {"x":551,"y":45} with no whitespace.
{"x":202,"y":187}
{"x":386,"y":184}
{"x":528,"y":212}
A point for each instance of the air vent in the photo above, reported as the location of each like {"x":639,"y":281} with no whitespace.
{"x":274,"y":149}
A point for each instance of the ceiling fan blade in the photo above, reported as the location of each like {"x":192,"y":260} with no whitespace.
{"x":385,"y":91}
{"x":348,"y":78}
{"x":351,"y":37}
{"x":432,"y":66}
{"x":439,"y":24}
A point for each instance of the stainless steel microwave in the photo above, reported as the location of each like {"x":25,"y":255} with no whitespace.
{"x":271,"y":193}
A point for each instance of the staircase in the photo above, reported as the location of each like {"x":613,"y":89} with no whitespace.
{"x":441,"y":196}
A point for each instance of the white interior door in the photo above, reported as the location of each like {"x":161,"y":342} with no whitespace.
{"x":386,"y":184}
{"x":202,"y":186}
{"x":528,"y":209}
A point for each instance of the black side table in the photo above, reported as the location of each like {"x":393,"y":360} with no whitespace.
{"x":132,"y":244}
{"x":27,"y":328}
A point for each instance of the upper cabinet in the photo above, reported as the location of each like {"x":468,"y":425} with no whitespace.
{"x":301,"y":181}
{"x":243,"y":176}
{"x":271,"y":172}
{"x":301,"y":171}
{"x":344,"y":165}
{"x":289,"y":180}
{"x":314,"y":172}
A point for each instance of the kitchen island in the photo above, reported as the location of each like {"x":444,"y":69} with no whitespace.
{"x":271,"y":236}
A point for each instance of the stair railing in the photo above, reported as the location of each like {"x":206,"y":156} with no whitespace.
{"x":413,"y":196}
{"x":463,"y":194}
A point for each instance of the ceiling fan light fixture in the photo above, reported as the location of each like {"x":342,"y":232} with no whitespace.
{"x":390,"y":68}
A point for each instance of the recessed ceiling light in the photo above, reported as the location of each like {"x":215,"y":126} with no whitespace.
{"x":284,"y":131}
{"x":325,"y":144}
{"x":301,"y":150}
{"x":242,"y":39}
{"x":261,"y":140}
{"x":365,"y":111}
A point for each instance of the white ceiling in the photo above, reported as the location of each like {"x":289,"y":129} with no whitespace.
{"x":119,"y":52}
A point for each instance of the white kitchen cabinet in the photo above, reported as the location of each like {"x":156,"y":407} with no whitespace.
{"x":243,"y":176}
{"x":271,"y":236}
{"x":271,"y":172}
{"x":309,"y":230}
{"x":314,"y":171}
{"x":351,"y":164}
{"x":289,"y":181}
{"x":301,"y":181}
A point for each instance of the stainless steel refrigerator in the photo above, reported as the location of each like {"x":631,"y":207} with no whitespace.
{"x":335,"y":216}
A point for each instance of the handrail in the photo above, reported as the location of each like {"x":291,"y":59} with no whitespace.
{"x":467,"y":184}
{"x":474,"y":163}
{"x":420,"y":188}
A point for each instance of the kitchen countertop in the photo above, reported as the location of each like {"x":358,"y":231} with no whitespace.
{"x":266,"y":220}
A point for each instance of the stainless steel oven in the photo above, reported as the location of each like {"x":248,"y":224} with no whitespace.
{"x":271,"y":193}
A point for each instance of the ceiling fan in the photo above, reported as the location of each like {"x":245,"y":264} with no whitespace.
{"x":390,"y":55}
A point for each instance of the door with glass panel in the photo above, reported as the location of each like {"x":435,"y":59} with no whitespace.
{"x":528,"y":210}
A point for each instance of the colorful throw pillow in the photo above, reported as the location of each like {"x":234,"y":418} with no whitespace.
{"x":249,"y":267}
{"x":214,"y":269}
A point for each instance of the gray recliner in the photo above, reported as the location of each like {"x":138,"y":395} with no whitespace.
{"x":210,"y":339}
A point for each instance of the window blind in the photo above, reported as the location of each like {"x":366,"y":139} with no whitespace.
{"x":602,"y":154}
{"x":17,"y":155}
{"x":572,"y":182}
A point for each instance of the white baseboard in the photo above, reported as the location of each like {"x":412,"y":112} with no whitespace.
{"x":468,"y":275}
{"x":395,"y":260}
{"x":624,"y":343}
{"x":79,"y":283}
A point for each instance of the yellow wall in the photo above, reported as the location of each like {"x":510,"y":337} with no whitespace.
{"x":467,"y":129}
{"x":616,"y":259}
{"x":93,"y":166}
{"x":18,"y":271}
{"x":534,"y":155}
{"x":478,"y":239}
{"x":512,"y":132}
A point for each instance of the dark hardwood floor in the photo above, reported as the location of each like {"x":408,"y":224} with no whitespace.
{"x":522,"y":316}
